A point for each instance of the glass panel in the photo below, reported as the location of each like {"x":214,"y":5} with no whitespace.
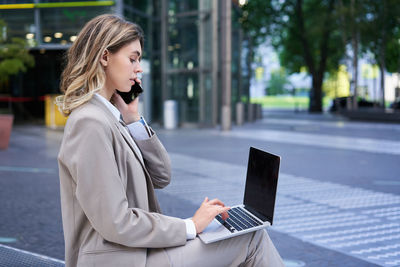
{"x":20,"y":23}
{"x":178,"y":6}
{"x":155,"y":57}
{"x":142,"y":5}
{"x":235,"y":68}
{"x":144,"y":23}
{"x":205,"y":62}
{"x":205,"y":33}
{"x":156,"y":101}
{"x":184,"y":89}
{"x":208,"y":105}
{"x":235,"y":72}
{"x":59,"y":25}
{"x":183,"y":43}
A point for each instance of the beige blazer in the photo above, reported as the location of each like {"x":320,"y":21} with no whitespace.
{"x":110,"y":213}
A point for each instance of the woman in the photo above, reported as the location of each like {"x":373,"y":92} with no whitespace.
{"x":110,"y":161}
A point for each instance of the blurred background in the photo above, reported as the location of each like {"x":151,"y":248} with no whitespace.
{"x":206,"y":55}
{"x":292,"y":77}
{"x":182,"y":54}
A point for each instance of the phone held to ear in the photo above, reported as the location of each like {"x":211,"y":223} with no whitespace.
{"x":128,"y":97}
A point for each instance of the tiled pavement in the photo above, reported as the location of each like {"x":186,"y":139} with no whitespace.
{"x":354,"y":221}
{"x":321,"y":218}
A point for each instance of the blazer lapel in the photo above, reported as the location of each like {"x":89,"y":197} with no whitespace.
{"x":153,"y":203}
{"x":129,"y":141}
{"x":121,"y":129}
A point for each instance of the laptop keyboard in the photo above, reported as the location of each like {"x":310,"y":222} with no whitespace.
{"x":238,"y":220}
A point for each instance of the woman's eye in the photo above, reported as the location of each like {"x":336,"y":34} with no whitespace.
{"x":133,"y":60}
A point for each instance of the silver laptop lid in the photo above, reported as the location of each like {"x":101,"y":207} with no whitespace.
{"x":261,"y":184}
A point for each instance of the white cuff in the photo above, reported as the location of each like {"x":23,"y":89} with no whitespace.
{"x":190,"y":229}
{"x":139,"y":130}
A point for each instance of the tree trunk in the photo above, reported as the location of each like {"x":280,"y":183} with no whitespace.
{"x":249,"y":60}
{"x":355,"y":70}
{"x":382,"y":72}
{"x":382,"y":65}
{"x":316,"y":93}
{"x":354,"y":44}
{"x":317,"y":70}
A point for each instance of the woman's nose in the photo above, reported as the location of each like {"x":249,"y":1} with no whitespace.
{"x":138,"y":68}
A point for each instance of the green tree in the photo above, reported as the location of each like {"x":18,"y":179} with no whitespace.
{"x":311,"y":38}
{"x":380,"y":36}
{"x":305,"y":33}
{"x":14,"y":57}
{"x":255,"y":31}
{"x":278,"y":82}
{"x":351,"y":14}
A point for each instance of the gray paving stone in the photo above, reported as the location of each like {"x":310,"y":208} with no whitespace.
{"x":29,"y":186}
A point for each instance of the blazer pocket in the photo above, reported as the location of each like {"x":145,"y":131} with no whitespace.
{"x":99,"y":245}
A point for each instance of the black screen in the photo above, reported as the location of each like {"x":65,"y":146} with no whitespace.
{"x":261,"y":183}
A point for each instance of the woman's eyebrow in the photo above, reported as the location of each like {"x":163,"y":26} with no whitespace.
{"x":136,"y":52}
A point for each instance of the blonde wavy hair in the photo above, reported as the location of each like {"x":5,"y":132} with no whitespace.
{"x":84,"y":75}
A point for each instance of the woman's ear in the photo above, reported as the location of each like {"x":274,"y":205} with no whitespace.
{"x":104,"y":58}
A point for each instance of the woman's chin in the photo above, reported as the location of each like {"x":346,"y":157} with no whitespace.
{"x":124,"y":90}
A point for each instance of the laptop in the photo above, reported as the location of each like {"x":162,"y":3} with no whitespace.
{"x":257,"y":210}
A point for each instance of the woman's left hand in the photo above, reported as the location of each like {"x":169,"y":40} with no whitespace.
{"x":129,"y":112}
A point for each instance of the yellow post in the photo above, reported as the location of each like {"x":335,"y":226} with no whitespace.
{"x":53,"y":117}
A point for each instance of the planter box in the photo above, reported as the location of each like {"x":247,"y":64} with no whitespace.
{"x":372,"y":114}
{"x":6,"y":122}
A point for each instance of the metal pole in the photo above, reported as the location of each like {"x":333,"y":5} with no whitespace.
{"x":38,"y":33}
{"x":148,"y":99}
{"x":226,"y":65}
{"x":239,"y":62}
{"x":214,"y":17}
{"x":201,"y":62}
{"x":164,"y":45}
{"x":119,"y":8}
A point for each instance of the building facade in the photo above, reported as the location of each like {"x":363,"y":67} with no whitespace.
{"x":184,"y":51}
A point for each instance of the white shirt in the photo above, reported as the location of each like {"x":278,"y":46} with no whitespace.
{"x":139,"y":130}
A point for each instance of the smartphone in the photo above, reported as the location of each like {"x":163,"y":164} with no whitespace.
{"x":128,"y":97}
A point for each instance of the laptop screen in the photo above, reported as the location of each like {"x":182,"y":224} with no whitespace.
{"x":261,"y":183}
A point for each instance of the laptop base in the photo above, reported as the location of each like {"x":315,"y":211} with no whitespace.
{"x":215,"y":231}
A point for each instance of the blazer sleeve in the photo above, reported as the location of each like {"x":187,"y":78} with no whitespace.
{"x":156,"y":159}
{"x":89,"y":156}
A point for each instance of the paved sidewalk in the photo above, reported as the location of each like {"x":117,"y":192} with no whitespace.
{"x":328,"y":212}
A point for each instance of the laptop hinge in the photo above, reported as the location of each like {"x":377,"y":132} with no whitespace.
{"x":259,"y":215}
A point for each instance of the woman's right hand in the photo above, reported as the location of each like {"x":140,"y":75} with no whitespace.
{"x":207,"y":212}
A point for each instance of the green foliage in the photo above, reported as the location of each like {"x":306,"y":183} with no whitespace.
{"x":313,"y":34}
{"x":287,"y":102}
{"x":392,"y":55}
{"x":380,"y":29}
{"x":288,"y":40}
{"x":14,"y":56}
{"x":278,"y":82}
{"x":304,"y":32}
{"x":280,"y":21}
{"x":256,"y":17}
{"x":244,"y":99}
{"x":351,"y":15}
